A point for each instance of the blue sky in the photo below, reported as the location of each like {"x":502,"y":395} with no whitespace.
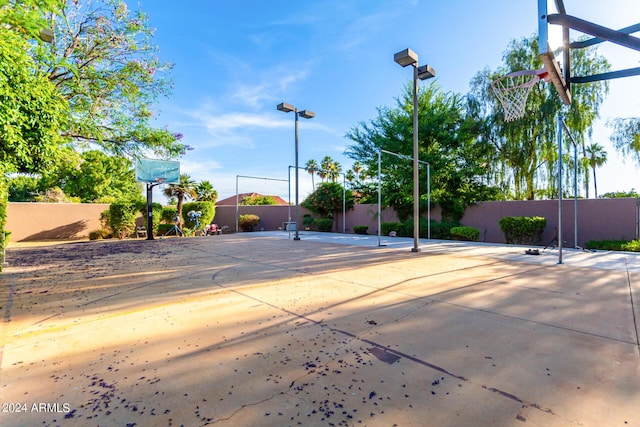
{"x":235,"y":61}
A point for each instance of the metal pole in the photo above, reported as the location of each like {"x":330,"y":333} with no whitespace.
{"x":297,"y":237}
{"x":344,"y":204}
{"x":149,"y":211}
{"x":428,"y":201}
{"x":237,"y":176}
{"x":289,"y":210}
{"x":575,"y":196}
{"x":416,"y":176}
{"x":560,"y":122}
{"x":379,"y":195}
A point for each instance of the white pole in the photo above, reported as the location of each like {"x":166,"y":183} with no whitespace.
{"x":379,"y":196}
{"x":237,"y":176}
{"x":560,"y":122}
{"x":428,"y":201}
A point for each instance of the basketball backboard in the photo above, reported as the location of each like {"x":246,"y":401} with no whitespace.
{"x":157,"y":171}
{"x":553,"y":46}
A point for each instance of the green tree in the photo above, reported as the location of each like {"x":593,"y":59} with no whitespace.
{"x":626,"y":136}
{"x":330,"y":168}
{"x":312,"y":167}
{"x":184,"y":190}
{"x":205,"y":192}
{"x":255,"y":200}
{"x":448,"y":141}
{"x":596,"y":156}
{"x":105,"y":65}
{"x":525,"y":157}
{"x":23,"y":188}
{"x":328,"y":199}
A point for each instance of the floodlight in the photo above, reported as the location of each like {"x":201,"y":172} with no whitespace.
{"x":426,"y":72}
{"x":307,"y":114}
{"x":406,"y":57}
{"x":287,"y":108}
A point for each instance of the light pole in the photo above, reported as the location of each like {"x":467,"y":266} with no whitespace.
{"x":307,"y":114}
{"x":405,"y":58}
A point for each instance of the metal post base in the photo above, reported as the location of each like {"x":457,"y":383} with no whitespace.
{"x":296,"y":238}
{"x":415,"y":249}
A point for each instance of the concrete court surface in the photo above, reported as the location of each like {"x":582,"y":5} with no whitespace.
{"x":254,"y":329}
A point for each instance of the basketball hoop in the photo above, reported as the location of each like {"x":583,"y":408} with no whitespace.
{"x":512,"y":90}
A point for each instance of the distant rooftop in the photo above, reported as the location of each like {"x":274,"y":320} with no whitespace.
{"x":231,"y":201}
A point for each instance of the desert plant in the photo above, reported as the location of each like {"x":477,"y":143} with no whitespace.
{"x":360,"y":229}
{"x":523,"y":230}
{"x":463,"y":232}
{"x":324,"y":224}
{"x":247,"y":222}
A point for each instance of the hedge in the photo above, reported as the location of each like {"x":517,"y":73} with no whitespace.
{"x":523,"y":230}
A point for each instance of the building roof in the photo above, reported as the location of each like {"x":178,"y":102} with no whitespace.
{"x":231,"y":201}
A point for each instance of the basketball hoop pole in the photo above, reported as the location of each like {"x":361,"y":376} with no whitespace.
{"x":150,"y":208}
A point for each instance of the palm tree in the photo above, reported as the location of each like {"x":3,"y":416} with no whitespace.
{"x":205,"y":192}
{"x":330,"y":168}
{"x":597,"y":156}
{"x":312,"y":167}
{"x":185,"y":189}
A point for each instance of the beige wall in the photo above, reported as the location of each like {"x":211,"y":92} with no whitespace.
{"x":598,"y":219}
{"x":43,"y":221}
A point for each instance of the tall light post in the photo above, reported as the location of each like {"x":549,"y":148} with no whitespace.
{"x":405,"y":58}
{"x":307,"y":114}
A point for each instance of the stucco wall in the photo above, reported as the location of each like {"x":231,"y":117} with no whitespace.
{"x":597,"y":218}
{"x":44,"y":221}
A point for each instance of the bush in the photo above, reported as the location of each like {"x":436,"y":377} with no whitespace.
{"x":614,"y":245}
{"x":360,"y":229}
{"x":164,"y":229}
{"x":523,"y":230}
{"x":122,"y":218}
{"x":208,"y":212}
{"x":465,"y":233}
{"x":439,"y":230}
{"x":388,"y":227}
{"x":168,"y":215}
{"x":248,"y":221}
{"x":324,"y":224}
{"x":99,"y":234}
{"x":156,"y":210}
{"x":307,"y":221}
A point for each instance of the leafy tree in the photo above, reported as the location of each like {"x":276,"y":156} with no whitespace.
{"x":23,"y":188}
{"x":205,"y":192}
{"x":448,"y":141}
{"x":31,"y":110}
{"x":105,"y":65}
{"x":525,"y":156}
{"x":619,"y":194}
{"x":256,"y":199}
{"x":596,"y":156}
{"x":312,"y":167}
{"x":328,"y":199}
{"x":626,"y":136}
{"x":185,"y":189}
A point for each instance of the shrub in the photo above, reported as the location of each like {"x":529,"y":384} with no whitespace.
{"x":324,"y":224}
{"x":168,"y":215}
{"x":208,"y":212}
{"x":122,"y":218}
{"x":248,"y":221}
{"x":388,"y":227}
{"x":156,"y":210}
{"x":463,"y":232}
{"x":523,"y":230}
{"x":307,"y":220}
{"x":439,"y":229}
{"x":614,"y":245}
{"x":101,"y":233}
{"x":164,"y":229}
{"x":360,"y":229}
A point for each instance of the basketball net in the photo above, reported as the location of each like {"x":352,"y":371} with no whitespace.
{"x":512,"y":90}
